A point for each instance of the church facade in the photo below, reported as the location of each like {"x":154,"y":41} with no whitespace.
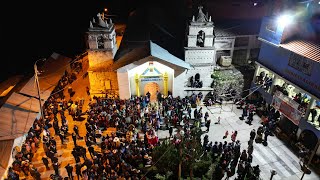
{"x":137,"y":68}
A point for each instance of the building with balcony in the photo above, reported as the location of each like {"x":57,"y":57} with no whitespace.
{"x":287,"y":74}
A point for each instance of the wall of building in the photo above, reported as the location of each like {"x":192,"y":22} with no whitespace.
{"x":140,"y":69}
{"x":96,"y":58}
{"x":200,"y":56}
{"x":204,"y":72}
{"x":100,"y":82}
{"x":180,"y":82}
{"x":194,"y":30}
{"x":124,"y":86}
{"x":280,"y":61}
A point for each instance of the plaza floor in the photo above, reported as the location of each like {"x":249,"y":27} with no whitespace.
{"x":276,"y":156}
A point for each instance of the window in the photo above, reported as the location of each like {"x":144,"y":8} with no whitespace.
{"x":241,"y":41}
{"x":100,"y":42}
{"x":200,"y":39}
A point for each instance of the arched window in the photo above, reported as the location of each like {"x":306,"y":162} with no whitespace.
{"x":100,"y":42}
{"x":200,"y":38}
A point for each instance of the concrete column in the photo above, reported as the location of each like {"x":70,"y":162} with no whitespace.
{"x":165,"y":84}
{"x":256,"y":72}
{"x":137,"y":79}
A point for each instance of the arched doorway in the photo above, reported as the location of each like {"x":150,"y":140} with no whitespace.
{"x":308,"y":139}
{"x":152,"y":88}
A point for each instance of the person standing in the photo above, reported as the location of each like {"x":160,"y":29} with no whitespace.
{"x":76,"y":130}
{"x":252,"y":134}
{"x":74,"y":138}
{"x":226,"y":134}
{"x":170,"y":131}
{"x":88,"y":90}
{"x":69,"y":169}
{"x":234,"y":136}
{"x":265,"y":139}
{"x":56,"y":168}
{"x":78,"y":170}
{"x":46,"y":162}
{"x":208,"y":122}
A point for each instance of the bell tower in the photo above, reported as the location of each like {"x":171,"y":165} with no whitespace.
{"x":200,"y":51}
{"x":102,"y":47}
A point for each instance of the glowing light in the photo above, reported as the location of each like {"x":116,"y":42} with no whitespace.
{"x":255,"y":4}
{"x":284,"y":20}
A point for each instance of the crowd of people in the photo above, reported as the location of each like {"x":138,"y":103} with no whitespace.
{"x":121,"y":154}
{"x":231,"y":160}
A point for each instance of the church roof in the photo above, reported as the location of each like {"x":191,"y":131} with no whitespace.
{"x":157,"y":22}
{"x":149,"y":50}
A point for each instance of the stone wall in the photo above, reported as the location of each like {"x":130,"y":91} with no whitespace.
{"x":97,"y":58}
{"x":99,"y":82}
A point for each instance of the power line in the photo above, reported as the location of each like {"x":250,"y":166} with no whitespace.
{"x":65,"y":66}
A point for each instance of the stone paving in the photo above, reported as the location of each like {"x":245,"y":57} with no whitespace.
{"x":274,"y":156}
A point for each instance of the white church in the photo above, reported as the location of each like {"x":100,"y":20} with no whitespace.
{"x":142,"y":65}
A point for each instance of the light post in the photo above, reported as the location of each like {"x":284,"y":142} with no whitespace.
{"x":38,"y":86}
{"x":273,"y":172}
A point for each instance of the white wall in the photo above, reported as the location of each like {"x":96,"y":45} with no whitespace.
{"x":200,"y":56}
{"x":194,"y":30}
{"x":204,"y":72}
{"x":180,"y":82}
{"x":123,"y":85}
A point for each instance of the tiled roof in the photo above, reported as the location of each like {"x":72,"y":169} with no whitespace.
{"x":304,"y":48}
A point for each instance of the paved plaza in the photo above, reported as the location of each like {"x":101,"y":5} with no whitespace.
{"x":274,"y":156}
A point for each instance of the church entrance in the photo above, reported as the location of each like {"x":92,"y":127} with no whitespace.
{"x":152,"y":88}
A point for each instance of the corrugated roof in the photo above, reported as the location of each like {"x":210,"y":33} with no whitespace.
{"x":304,"y":48}
{"x":17,"y":116}
{"x":237,"y":28}
{"x":19,"y":111}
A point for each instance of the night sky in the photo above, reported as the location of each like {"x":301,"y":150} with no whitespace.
{"x":35,"y":29}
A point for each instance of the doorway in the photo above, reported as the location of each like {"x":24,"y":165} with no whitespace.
{"x":152,"y":88}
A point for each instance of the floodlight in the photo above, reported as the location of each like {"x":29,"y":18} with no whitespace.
{"x":284,"y":20}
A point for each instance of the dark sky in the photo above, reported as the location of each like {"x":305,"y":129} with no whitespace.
{"x":35,"y":29}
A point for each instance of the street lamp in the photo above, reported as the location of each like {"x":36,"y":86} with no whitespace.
{"x":38,"y":86}
{"x":273,"y":172}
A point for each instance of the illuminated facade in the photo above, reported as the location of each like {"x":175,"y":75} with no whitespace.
{"x":288,"y":76}
{"x":102,"y":47}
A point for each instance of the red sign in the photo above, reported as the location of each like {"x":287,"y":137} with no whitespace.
{"x":286,"y":109}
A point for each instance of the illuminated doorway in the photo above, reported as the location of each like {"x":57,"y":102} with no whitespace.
{"x":152,"y":88}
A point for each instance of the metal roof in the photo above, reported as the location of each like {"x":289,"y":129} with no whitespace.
{"x":229,"y":28}
{"x":308,"y":49}
{"x":150,"y":50}
{"x":19,"y":111}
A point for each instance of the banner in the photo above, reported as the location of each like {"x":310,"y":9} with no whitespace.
{"x":286,"y":108}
